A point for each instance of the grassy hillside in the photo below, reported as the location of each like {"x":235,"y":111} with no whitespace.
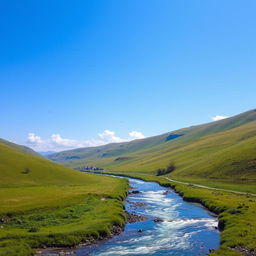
{"x":84,"y":155}
{"x":21,"y":169}
{"x":226,"y":157}
{"x":46,"y":204}
{"x":19,"y":147}
{"x":219,"y":153}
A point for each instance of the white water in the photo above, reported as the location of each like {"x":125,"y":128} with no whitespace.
{"x":185,"y":230}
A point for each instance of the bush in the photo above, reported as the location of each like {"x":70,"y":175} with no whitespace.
{"x":162,"y":171}
{"x":33,"y":229}
{"x":26,"y":171}
{"x":15,"y":248}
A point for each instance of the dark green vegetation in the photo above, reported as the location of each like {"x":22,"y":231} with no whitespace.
{"x":46,"y":204}
{"x":162,"y":171}
{"x":220,"y":154}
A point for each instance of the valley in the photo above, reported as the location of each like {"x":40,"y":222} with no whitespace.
{"x":60,"y":202}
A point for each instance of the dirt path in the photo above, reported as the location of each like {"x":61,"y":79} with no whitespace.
{"x":202,"y":186}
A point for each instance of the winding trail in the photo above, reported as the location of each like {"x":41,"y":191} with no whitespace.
{"x":212,"y":188}
{"x":201,"y":186}
{"x":188,"y":183}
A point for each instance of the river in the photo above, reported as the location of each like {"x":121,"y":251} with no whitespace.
{"x":173,"y":227}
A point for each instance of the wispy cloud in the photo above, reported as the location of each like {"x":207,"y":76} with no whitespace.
{"x":217,"y":118}
{"x":57,"y":143}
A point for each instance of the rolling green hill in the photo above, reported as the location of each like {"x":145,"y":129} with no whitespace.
{"x":22,"y":169}
{"x":220,"y":153}
{"x":47,"y":204}
{"x":44,"y":203}
{"x":19,"y":147}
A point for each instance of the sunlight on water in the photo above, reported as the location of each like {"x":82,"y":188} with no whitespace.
{"x":181,"y":229}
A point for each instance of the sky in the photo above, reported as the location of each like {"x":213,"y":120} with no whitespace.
{"x":85,"y":73}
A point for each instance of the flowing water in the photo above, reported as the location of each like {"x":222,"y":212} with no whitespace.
{"x":173,"y":227}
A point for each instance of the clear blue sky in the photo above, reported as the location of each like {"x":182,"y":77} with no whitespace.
{"x":77,"y":68}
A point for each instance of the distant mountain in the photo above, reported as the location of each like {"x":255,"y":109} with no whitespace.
{"x":222,"y":149}
{"x":47,"y":153}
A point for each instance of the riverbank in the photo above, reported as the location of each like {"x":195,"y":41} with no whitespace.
{"x":71,"y":215}
{"x":158,"y":219}
{"x":236,"y":214}
{"x":60,"y":251}
{"x":171,"y":227}
{"x":114,"y":231}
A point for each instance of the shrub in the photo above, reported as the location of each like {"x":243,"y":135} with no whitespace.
{"x":162,"y":171}
{"x":33,"y":229}
{"x":26,"y":171}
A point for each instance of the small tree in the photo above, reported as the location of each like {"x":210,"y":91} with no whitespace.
{"x":170,"y":168}
{"x":162,"y":171}
{"x":26,"y":171}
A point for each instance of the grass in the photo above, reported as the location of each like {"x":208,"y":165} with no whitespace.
{"x":19,"y":199}
{"x":225,"y":159}
{"x":219,"y":153}
{"x":131,"y":151}
{"x":236,"y":214}
{"x":46,"y":204}
{"x":42,"y":172}
{"x":64,"y":226}
{"x":19,"y":147}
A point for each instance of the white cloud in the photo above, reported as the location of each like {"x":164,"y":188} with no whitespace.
{"x":136,"y":135}
{"x":217,"y":118}
{"x":109,"y":136}
{"x":32,"y":138}
{"x":57,"y":143}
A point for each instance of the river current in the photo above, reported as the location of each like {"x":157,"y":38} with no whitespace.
{"x":173,"y":227}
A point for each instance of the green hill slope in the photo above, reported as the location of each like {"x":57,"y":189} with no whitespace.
{"x":19,"y":168}
{"x":219,"y":154}
{"x":19,"y":147}
{"x":222,"y":151}
{"x":224,"y":159}
{"x":47,"y":204}
{"x":87,"y":155}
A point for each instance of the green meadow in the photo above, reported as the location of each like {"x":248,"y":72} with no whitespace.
{"x":45,"y":204}
{"x":219,"y":155}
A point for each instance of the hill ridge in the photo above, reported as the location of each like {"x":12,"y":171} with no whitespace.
{"x":79,"y":155}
